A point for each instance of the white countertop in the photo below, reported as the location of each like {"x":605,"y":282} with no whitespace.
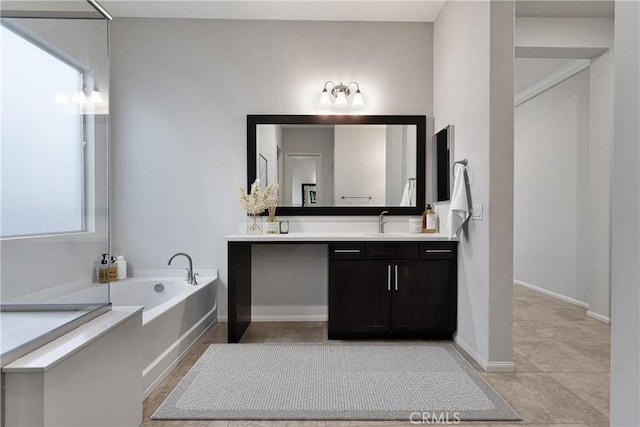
{"x":339,"y":237}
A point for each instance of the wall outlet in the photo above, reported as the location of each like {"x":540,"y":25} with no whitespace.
{"x":476,"y":212}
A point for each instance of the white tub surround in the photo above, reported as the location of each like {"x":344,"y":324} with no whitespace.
{"x":173,"y":319}
{"x":79,"y":378}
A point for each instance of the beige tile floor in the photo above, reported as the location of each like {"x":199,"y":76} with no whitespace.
{"x":561,"y":378}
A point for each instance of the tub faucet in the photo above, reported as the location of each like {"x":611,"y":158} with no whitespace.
{"x":191,"y":277}
{"x":381,"y":221}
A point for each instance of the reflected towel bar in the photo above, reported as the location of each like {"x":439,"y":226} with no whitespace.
{"x":356,"y":197}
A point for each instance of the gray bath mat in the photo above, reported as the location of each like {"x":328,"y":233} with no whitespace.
{"x":333,"y":382}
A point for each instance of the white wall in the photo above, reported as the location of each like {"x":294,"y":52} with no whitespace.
{"x":473,"y":65}
{"x":318,"y":141}
{"x":551,"y":189}
{"x":625,"y":321}
{"x":583,"y":38}
{"x":395,"y":158}
{"x":547,"y":34}
{"x":600,"y":170}
{"x":181,"y":90}
{"x":353,"y":176}
{"x":267,"y":147}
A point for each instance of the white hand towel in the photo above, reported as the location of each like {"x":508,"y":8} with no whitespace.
{"x":459,"y":209}
{"x":406,"y":195}
{"x":412,"y":192}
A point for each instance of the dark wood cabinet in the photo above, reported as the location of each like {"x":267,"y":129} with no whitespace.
{"x":360,"y":303}
{"x":392,"y":289}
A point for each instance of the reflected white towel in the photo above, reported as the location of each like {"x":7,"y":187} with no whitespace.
{"x":459,"y":210}
{"x":406,"y":194}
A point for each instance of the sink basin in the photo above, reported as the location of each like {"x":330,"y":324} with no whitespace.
{"x":383,"y":234}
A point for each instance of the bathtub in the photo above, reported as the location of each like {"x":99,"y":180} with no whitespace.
{"x":173,"y":318}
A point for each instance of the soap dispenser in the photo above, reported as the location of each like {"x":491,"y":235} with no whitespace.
{"x":121,"y":266}
{"x":102,"y":269}
{"x":113,"y":270}
{"x":430,"y":221}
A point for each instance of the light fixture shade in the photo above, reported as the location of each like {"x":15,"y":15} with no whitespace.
{"x":96,"y":98}
{"x":341,"y":100}
{"x":80,"y":98}
{"x":358,"y":102}
{"x":325,"y":99}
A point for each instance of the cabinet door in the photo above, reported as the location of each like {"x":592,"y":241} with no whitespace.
{"x":424,"y":298}
{"x":359,"y":298}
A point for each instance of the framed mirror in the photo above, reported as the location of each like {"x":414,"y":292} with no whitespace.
{"x":339,"y":165}
{"x":442,"y":149}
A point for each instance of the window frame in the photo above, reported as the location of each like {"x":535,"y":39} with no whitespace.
{"x":87,"y":81}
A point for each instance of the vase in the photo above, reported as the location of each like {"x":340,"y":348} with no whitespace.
{"x":254,"y":224}
{"x":271,"y":227}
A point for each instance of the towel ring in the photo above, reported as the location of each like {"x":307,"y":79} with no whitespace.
{"x":463,"y":162}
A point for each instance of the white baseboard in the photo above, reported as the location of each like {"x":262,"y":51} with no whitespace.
{"x":504,"y":367}
{"x":599,"y":317}
{"x":289,"y":313}
{"x":484,"y":364}
{"x":552,"y":294}
{"x":283,"y":318}
{"x":564,"y":298}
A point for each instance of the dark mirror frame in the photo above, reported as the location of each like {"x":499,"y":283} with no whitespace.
{"x":421,"y":131}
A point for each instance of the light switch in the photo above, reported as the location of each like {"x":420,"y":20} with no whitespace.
{"x":476,"y":212}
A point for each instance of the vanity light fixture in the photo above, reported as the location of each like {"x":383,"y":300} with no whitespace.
{"x":340,"y":92}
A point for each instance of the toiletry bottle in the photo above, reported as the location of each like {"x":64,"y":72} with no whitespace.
{"x":121,"y":266}
{"x":102,"y":269}
{"x":431,"y":221}
{"x":113,"y":271}
{"x":424,"y":219}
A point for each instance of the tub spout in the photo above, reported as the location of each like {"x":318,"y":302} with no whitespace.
{"x":191,"y":278}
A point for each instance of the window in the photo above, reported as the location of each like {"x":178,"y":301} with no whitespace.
{"x":41,"y":140}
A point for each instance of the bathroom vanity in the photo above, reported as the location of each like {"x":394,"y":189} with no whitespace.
{"x":393,"y":285}
{"x":398,"y":285}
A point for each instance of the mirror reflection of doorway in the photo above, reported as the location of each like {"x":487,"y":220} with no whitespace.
{"x":305,"y":168}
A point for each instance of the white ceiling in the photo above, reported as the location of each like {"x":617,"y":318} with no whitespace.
{"x":338,"y":10}
{"x":314,"y":10}
{"x":306,"y":10}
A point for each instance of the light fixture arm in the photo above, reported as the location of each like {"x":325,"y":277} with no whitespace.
{"x":339,"y":89}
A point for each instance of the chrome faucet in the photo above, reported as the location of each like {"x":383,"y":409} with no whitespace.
{"x":191,"y":277}
{"x":381,"y":221}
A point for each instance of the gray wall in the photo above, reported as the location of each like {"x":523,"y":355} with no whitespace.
{"x":181,"y":90}
{"x":625,"y":292}
{"x":473,"y":80}
{"x":592,"y":39}
{"x":551,"y":189}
